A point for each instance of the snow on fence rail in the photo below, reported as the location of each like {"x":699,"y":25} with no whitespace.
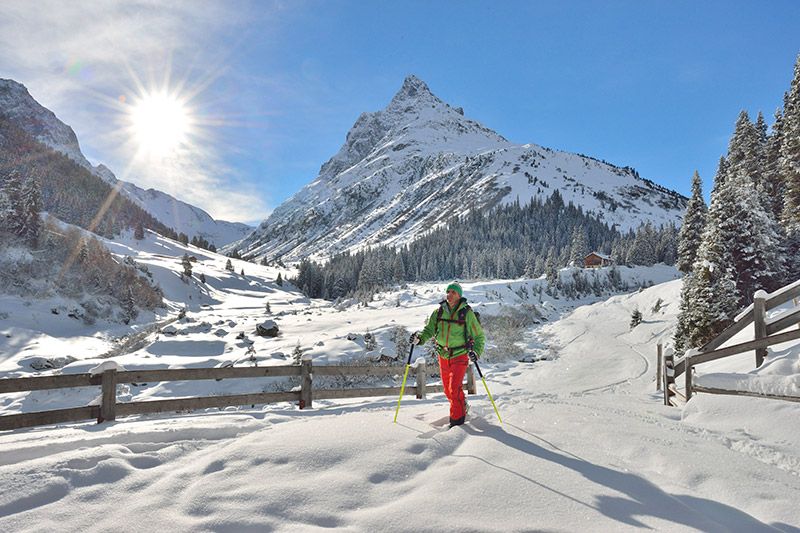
{"x":766,"y":334}
{"x":109,"y":409}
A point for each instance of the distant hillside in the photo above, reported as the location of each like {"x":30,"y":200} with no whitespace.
{"x":69,"y":191}
{"x":43,"y":127}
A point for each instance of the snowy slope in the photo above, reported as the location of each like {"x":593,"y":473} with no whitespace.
{"x":585,"y":443}
{"x":43,"y":125}
{"x":183,"y":217}
{"x":402,"y":170}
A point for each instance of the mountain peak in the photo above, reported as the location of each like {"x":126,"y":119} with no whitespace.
{"x":413,"y":89}
{"x":412,"y":85}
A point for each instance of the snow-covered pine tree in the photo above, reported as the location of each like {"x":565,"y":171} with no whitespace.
{"x":579,"y":247}
{"x":138,"y":232}
{"x":790,"y":169}
{"x":744,"y":149}
{"x":694,"y":222}
{"x":297,"y":354}
{"x":758,"y":254}
{"x":187,"y":265}
{"x":719,"y":177}
{"x":398,"y":269}
{"x":12,"y":189}
{"x":229,"y":266}
{"x":636,"y":318}
{"x":772,"y":183}
{"x":530,"y":266}
{"x":30,"y":224}
{"x":400,"y":336}
{"x":129,"y":309}
{"x":667,"y":246}
{"x":710,"y":297}
{"x":643,"y":250}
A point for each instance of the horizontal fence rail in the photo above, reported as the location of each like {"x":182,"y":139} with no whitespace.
{"x":109,"y":409}
{"x":766,"y":333}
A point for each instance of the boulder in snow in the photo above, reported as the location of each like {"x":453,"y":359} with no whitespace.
{"x":268,"y":328}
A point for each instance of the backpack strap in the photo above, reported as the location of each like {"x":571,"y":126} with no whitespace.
{"x":462,"y":317}
{"x":439,"y":313}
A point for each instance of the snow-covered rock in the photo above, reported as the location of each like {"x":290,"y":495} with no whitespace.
{"x":268,"y":328}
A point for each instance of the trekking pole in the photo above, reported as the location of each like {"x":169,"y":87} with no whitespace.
{"x":487,"y":390}
{"x":403,"y":386}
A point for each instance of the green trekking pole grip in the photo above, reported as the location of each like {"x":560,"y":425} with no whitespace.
{"x":487,"y":390}
{"x":403,"y":386}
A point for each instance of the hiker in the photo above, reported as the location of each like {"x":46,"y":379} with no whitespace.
{"x":459,"y":338}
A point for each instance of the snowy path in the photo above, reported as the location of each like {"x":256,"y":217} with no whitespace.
{"x":586,"y":446}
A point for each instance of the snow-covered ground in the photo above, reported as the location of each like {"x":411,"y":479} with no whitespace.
{"x":585,"y":443}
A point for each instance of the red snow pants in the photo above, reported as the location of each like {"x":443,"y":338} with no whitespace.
{"x":453,"y":371}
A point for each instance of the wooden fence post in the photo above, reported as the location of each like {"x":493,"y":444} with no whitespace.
{"x":659,"y":364}
{"x":796,"y":302}
{"x":760,"y":321}
{"x":687,"y":365}
{"x":471,"y":388}
{"x":108,"y":398}
{"x":421,"y":379}
{"x":668,"y":375}
{"x":305,"y":382}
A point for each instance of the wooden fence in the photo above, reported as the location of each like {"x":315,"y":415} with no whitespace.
{"x":766,"y":334}
{"x":109,"y":409}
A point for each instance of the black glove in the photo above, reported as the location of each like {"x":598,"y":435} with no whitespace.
{"x":414,"y":338}
{"x":473,"y":356}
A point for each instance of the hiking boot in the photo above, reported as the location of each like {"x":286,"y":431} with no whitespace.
{"x":456,"y":421}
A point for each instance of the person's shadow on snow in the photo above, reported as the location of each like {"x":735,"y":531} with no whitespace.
{"x":643,"y":497}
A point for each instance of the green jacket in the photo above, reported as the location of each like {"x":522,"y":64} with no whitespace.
{"x":451,"y":334}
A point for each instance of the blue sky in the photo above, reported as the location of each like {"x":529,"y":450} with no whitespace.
{"x":273,"y":87}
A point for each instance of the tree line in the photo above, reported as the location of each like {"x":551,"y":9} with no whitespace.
{"x":509,"y":241}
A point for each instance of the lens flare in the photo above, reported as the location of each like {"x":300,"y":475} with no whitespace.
{"x":160,"y":122}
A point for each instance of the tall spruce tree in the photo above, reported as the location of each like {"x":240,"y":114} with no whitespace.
{"x":694,"y":222}
{"x":773,"y":185}
{"x":790,"y":169}
{"x":187,"y":265}
{"x":643,"y":251}
{"x":757,"y":254}
{"x":744,"y":148}
{"x":709,"y":296}
{"x":30,"y":224}
{"x":14,"y":214}
{"x":719,"y":177}
{"x":579,"y":247}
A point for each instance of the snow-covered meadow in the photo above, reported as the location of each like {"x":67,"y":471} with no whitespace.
{"x":585,"y":443}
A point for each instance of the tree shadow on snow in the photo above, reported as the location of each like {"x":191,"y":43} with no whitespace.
{"x":642,"y":498}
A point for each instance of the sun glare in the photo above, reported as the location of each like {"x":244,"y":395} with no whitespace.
{"x":160,"y":122}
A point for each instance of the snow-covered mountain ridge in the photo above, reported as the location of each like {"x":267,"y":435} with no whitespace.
{"x":43,"y":125}
{"x":418,"y":162}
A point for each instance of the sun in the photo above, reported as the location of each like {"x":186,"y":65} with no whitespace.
{"x":160,"y":122}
